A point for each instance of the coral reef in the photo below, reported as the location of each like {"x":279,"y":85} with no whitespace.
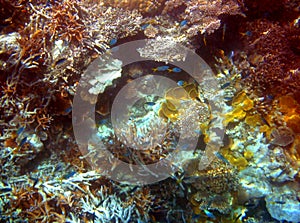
{"x":248,"y":127}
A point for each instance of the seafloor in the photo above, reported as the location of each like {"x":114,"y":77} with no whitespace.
{"x":96,"y":130}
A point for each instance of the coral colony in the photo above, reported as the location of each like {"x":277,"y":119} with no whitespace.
{"x":253,"y":48}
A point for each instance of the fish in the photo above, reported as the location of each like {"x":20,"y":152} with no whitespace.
{"x":113,"y":41}
{"x":5,"y":189}
{"x":221,"y":157}
{"x":223,"y":33}
{"x":231,"y":55}
{"x":183,"y":22}
{"x":228,"y":98}
{"x":23,"y":141}
{"x":20,"y":130}
{"x":175,"y":70}
{"x":69,"y":175}
{"x":161,"y":68}
{"x":150,"y":103}
{"x":209,"y":214}
{"x":144,"y":26}
{"x":36,"y":58}
{"x":58,"y":167}
{"x":247,"y":33}
{"x":59,"y":62}
{"x":68,"y":110}
{"x":103,"y":121}
{"x":181,"y":83}
{"x":198,"y":131}
{"x":225,"y":85}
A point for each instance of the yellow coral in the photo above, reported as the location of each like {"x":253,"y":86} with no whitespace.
{"x":239,"y":98}
{"x":173,"y":97}
{"x":247,"y":104}
{"x":241,"y":105}
{"x":236,"y":114}
{"x":240,"y":162}
{"x":248,"y":154}
{"x":253,"y":120}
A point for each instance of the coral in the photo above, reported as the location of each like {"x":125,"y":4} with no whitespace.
{"x":290,"y":109}
{"x":203,"y":16}
{"x":242,"y":106}
{"x":175,"y":97}
{"x":282,"y":136}
{"x":217,"y":203}
{"x":283,"y":206}
{"x":217,"y":178}
{"x":272,"y":60}
{"x":164,"y":49}
{"x":101,"y":74}
{"x":143,"y":6}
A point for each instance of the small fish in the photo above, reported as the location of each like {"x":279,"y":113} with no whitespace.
{"x":183,"y":22}
{"x":161,"y":68}
{"x":68,"y":110}
{"x":280,"y":202}
{"x":228,"y":98}
{"x":58,"y":167}
{"x":113,"y":41}
{"x":36,"y":58}
{"x":23,"y":141}
{"x":269,"y":97}
{"x":150,"y":103}
{"x":175,"y":70}
{"x":196,"y":216}
{"x":181,"y":83}
{"x":221,"y":157}
{"x":209,"y":214}
{"x":225,"y":85}
{"x":35,"y":181}
{"x":133,"y":189}
{"x":5,"y":189}
{"x":223,"y":33}
{"x":198,"y":131}
{"x":103,"y":121}
{"x":143,"y":27}
{"x":231,"y":55}
{"x":69,"y":175}
{"x":237,"y":218}
{"x":20,"y":130}
{"x":59,"y":62}
{"x":247,"y":33}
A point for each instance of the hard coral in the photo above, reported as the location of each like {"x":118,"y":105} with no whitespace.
{"x":218,"y":177}
{"x":271,"y":57}
{"x":144,"y":6}
{"x":203,"y":15}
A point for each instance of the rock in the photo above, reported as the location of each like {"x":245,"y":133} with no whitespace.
{"x":284,"y":206}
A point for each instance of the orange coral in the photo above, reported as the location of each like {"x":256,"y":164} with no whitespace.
{"x":291,"y":110}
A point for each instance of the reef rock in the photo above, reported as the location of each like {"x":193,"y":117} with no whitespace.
{"x":284,"y":207}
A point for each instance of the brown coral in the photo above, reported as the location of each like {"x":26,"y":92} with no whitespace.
{"x":218,"y":177}
{"x":143,"y":6}
{"x":271,"y":57}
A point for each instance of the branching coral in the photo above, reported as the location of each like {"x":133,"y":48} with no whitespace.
{"x":203,"y":16}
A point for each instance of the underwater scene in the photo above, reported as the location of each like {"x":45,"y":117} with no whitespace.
{"x":150,"y":111}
